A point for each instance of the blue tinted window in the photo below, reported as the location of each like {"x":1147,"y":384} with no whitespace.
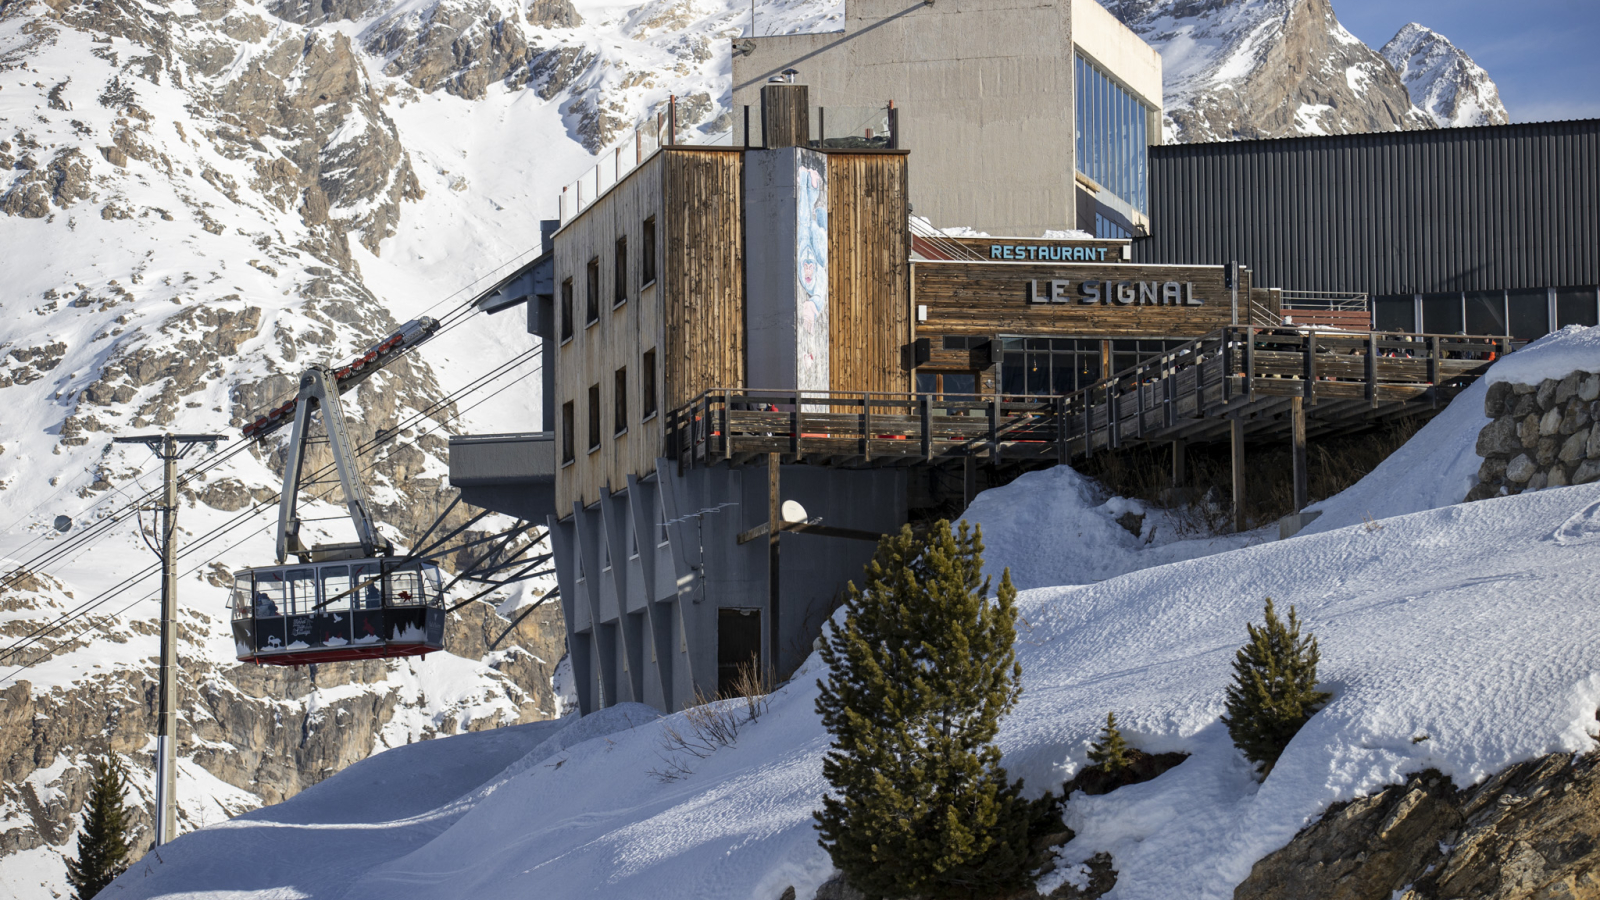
{"x":1112,"y":133}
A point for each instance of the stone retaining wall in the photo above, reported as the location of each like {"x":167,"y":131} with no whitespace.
{"x":1543,"y":435}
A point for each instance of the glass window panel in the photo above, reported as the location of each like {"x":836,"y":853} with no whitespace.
{"x":1125,"y":345}
{"x":301,"y":589}
{"x":1486,"y":312}
{"x":1576,"y":306}
{"x":1011,"y":343}
{"x":1121,"y":362}
{"x":1061,"y":377}
{"x":956,"y":342}
{"x":271,"y":596}
{"x":1038,"y":373}
{"x":1529,"y":313}
{"x":1396,"y":312}
{"x":336,"y":583}
{"x":1088,"y":369}
{"x":1013,"y":374}
{"x":405,"y":588}
{"x":960,"y":383}
{"x":1038,"y":343}
{"x":1441,"y":313}
{"x":927,"y":382}
{"x":365,"y":577}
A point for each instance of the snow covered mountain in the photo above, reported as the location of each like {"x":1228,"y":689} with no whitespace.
{"x":1273,"y":68}
{"x":1443,"y":80}
{"x":198,"y":198}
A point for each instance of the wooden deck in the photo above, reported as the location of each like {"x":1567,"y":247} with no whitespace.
{"x":1195,"y":392}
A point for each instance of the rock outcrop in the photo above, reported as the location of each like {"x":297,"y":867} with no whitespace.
{"x":1531,"y":832}
{"x":1542,"y":435}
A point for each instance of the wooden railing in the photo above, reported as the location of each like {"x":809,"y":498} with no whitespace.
{"x":1161,"y":398}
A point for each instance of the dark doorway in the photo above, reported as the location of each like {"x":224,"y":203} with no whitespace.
{"x":738,"y":643}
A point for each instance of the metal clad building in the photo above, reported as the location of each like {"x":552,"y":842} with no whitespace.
{"x":1417,"y":216}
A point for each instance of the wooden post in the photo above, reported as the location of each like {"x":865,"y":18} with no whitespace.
{"x":1236,"y":428}
{"x":1297,"y":411}
{"x":1179,"y":463}
{"x":727,"y":437}
{"x":1372,"y":368}
{"x":774,"y":529}
{"x":927,"y":425}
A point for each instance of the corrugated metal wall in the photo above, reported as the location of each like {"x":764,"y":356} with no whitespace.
{"x":1454,"y":209}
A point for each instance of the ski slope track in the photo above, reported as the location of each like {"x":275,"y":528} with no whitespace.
{"x":1454,"y":636}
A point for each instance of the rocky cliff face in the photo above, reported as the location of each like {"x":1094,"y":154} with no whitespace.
{"x":1531,"y":832}
{"x":1443,"y":80}
{"x":1277,"y":68}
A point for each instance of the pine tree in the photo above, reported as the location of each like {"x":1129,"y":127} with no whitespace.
{"x":1110,"y":753}
{"x":103,"y":843}
{"x":1274,"y":689}
{"x":921,"y":670}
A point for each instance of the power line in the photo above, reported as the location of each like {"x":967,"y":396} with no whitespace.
{"x":10,"y":653}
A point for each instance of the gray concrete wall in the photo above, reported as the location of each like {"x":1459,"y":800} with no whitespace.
{"x":984,"y":89}
{"x":644,"y":628}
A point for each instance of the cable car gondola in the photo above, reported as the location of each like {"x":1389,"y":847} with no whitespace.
{"x":337,"y":611}
{"x":340,"y":601}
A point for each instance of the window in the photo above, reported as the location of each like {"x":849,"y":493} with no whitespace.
{"x":1396,"y":312}
{"x":1044,"y":366}
{"x":647,"y":252}
{"x":1113,"y":130}
{"x":620,"y":276}
{"x":566,"y":310}
{"x":1529,"y":313}
{"x":594,"y":417}
{"x":647,"y":384}
{"x":1441,"y":313}
{"x":619,"y":401}
{"x":1486,"y":312}
{"x":1576,"y":306}
{"x":568,"y":453}
{"x":593,"y":300}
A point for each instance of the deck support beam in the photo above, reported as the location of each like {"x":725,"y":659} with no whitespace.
{"x":1297,"y":413}
{"x":1236,"y":431}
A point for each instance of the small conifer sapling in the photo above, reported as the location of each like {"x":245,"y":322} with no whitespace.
{"x":1110,"y":752}
{"x":1274,"y":690}
{"x":103,"y":842}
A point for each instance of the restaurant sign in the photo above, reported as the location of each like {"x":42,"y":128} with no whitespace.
{"x":1119,"y":292}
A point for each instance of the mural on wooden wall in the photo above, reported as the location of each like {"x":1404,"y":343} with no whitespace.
{"x":811,"y":272}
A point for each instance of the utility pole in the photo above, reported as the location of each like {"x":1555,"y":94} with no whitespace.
{"x":171,"y":448}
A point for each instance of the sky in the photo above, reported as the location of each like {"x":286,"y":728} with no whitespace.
{"x":1541,"y":53}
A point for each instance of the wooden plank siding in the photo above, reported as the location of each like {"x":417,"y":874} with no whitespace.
{"x":869,"y":249}
{"x":621,"y":336}
{"x":987,"y":298}
{"x":704,"y":311}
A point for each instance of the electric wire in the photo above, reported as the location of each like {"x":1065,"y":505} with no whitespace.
{"x":11,"y":652}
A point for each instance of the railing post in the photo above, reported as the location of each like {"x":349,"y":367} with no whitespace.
{"x":1310,"y":387}
{"x":927,"y":426}
{"x":1088,"y":420}
{"x":796,"y":428}
{"x":994,"y":431}
{"x":1433,"y":368}
{"x":1138,"y":386}
{"x":727,"y":436}
{"x":1250,"y":364}
{"x":1113,"y":417}
{"x":866,"y":425}
{"x":1062,"y":456}
{"x":1372,"y":368}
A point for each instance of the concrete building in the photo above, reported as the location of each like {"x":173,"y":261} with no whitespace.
{"x":1023,"y":118}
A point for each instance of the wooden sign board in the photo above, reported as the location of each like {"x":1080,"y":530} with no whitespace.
{"x":1077,"y":299}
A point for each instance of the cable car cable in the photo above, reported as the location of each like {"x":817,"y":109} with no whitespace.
{"x":34,"y":637}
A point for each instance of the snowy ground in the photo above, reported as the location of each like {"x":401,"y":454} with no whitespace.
{"x":1459,"y":637}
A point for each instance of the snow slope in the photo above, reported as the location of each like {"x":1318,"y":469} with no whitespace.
{"x":1460,"y":638}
